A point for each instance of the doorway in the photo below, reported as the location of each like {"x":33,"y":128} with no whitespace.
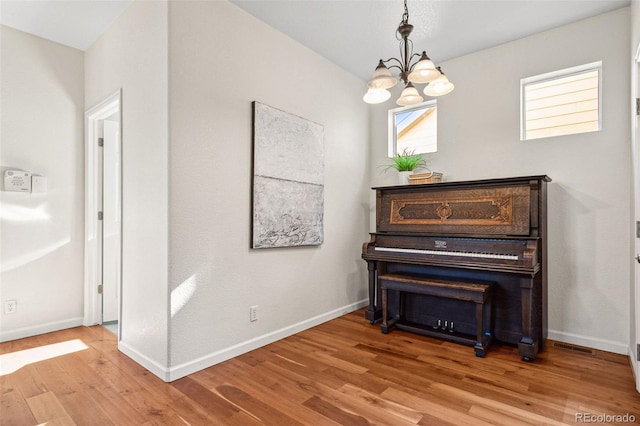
{"x":103,"y":213}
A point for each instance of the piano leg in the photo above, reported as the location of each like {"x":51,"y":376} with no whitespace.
{"x":373,"y":312}
{"x":528,"y":345}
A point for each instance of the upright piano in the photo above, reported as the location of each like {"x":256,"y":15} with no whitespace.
{"x":491,"y":231}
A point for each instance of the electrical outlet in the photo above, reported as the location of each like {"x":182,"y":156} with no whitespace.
{"x":10,"y":307}
{"x":253,"y":313}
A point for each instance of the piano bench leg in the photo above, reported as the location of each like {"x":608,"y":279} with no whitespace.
{"x":387,"y":324}
{"x":385,"y":311}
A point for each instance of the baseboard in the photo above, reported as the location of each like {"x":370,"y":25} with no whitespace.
{"x":190,"y":367}
{"x":589,"y":342}
{"x":21,"y":333}
{"x":148,"y":363}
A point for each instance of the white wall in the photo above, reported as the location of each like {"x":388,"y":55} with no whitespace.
{"x":589,"y":200}
{"x":133,"y":55}
{"x":222,"y":59}
{"x":41,"y":236}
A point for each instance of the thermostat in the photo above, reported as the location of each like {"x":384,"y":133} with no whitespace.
{"x":17,"y":180}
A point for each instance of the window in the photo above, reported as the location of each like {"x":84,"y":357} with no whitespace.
{"x":563,"y":102}
{"x":414,"y":128}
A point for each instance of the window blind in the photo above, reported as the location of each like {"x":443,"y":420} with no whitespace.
{"x":562,"y":105}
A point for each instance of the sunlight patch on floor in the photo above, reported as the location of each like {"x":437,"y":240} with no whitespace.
{"x":12,"y":362}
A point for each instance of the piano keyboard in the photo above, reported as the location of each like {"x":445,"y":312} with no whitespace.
{"x":450,"y":253}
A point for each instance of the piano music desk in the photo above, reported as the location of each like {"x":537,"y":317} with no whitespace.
{"x":480,"y":294}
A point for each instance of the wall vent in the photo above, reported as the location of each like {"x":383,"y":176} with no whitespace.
{"x":569,"y":347}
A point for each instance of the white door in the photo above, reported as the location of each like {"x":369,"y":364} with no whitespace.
{"x":103,"y":212}
{"x":111,"y":223}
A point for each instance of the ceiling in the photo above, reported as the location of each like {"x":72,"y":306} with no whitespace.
{"x":351,"y":33}
{"x":75,"y":23}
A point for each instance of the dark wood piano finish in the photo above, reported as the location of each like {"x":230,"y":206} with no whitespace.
{"x":490,"y":231}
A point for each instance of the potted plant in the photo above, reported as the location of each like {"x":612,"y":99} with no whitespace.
{"x":405,"y":163}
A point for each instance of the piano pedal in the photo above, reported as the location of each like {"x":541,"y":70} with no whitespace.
{"x":446,"y":325}
{"x":451,"y":327}
{"x":437,"y":326}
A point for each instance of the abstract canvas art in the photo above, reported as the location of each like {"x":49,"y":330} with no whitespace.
{"x":288,"y":179}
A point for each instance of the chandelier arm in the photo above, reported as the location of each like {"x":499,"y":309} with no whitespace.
{"x":399,"y":66}
{"x":408,"y":53}
{"x":411,"y":59}
{"x":395,"y":66}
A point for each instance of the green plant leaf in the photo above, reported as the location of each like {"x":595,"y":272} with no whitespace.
{"x":406,"y":161}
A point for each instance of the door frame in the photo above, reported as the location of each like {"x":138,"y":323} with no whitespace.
{"x":635,"y":185}
{"x":92,"y":203}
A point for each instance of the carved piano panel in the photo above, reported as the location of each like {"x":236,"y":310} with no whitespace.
{"x":490,"y":230}
{"x":501,"y":210}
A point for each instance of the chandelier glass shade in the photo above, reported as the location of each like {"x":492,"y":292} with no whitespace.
{"x":382,"y":78}
{"x":424,"y":71}
{"x":376,"y":96}
{"x":413,"y":68}
{"x":439,"y":86}
{"x":409,"y":96}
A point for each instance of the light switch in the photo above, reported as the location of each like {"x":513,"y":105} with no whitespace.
{"x":38,"y":184}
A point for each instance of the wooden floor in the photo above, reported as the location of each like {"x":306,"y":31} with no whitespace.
{"x":341,"y":372}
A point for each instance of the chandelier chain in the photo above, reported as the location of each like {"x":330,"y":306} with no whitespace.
{"x":405,"y":15}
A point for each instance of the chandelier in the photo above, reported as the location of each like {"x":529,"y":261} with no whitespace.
{"x":412,"y":72}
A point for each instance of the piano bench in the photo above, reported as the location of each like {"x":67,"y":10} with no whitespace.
{"x":478,"y":293}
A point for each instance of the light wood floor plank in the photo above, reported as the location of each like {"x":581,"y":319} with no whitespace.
{"x":432,"y":409}
{"x":13,"y":401}
{"x":46,"y":408}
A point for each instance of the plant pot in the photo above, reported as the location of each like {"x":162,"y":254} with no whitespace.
{"x":403,"y":177}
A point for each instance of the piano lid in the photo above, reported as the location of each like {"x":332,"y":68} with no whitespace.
{"x":492,"y":181}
